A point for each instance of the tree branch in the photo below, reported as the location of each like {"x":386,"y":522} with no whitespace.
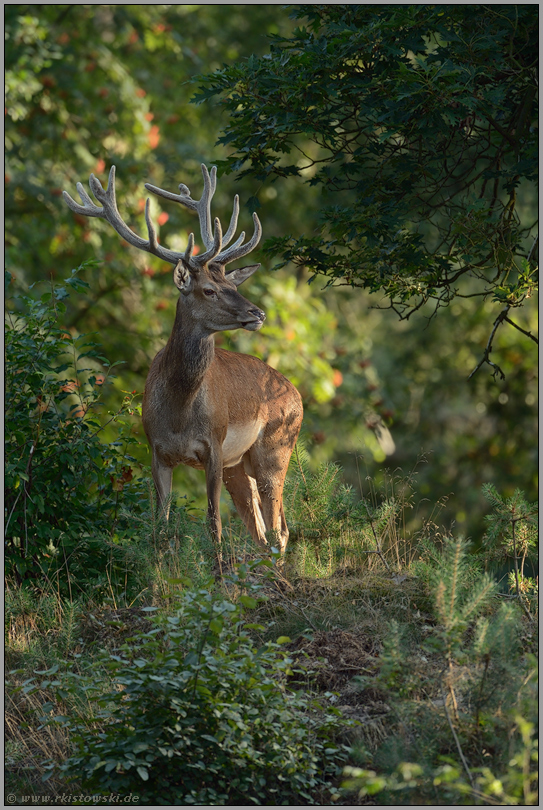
{"x":486,"y":355}
{"x":524,"y":331}
{"x":500,"y":129}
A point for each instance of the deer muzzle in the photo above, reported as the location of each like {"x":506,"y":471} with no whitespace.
{"x":253,"y":319}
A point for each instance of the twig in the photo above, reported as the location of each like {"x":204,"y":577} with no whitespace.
{"x":532,"y":249}
{"x":486,"y":354}
{"x":299,"y":609}
{"x":514,"y":521}
{"x":480,"y":696}
{"x":524,"y":331}
{"x":501,"y":130}
{"x":457,"y":741}
{"x":12,"y":510}
{"x":378,"y":550}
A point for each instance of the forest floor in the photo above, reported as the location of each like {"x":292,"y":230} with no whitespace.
{"x":338,"y":625}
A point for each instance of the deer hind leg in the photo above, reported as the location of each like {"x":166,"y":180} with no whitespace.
{"x":269,"y":459}
{"x":270,"y":471}
{"x":244,"y":493}
{"x":271,"y":493}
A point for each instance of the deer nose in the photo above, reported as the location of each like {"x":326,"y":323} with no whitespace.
{"x":253,"y":319}
{"x":258,"y":314}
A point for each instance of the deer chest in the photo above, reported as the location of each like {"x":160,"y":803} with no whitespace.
{"x":193,"y":449}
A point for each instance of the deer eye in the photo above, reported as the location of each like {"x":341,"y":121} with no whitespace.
{"x":209,"y":292}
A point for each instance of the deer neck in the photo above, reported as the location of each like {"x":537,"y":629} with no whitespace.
{"x":187,"y":355}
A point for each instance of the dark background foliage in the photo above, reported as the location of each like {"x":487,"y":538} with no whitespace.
{"x":419,"y":125}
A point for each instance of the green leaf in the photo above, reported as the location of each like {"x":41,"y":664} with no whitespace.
{"x":248,"y":601}
{"x":138,"y":747}
{"x":216,"y":626}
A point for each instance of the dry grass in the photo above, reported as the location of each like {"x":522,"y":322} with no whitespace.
{"x":363,"y":603}
{"x":29,"y":744}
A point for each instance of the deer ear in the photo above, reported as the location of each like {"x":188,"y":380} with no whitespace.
{"x":182,"y":277}
{"x":241,"y":274}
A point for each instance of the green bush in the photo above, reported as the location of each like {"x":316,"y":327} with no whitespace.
{"x":64,"y":485}
{"x":464,"y":700}
{"x":513,"y":532}
{"x":335,"y":528}
{"x":516,"y":784}
{"x":198,"y":714}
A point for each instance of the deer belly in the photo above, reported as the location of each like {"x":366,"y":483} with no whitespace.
{"x":239,"y":438}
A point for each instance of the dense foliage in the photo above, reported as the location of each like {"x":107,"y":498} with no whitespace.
{"x":208,"y":704}
{"x":418,"y":123}
{"x":198,"y":714}
{"x":64,"y":485}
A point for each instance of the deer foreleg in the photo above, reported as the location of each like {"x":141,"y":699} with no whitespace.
{"x":162,"y":476}
{"x":213,"y":470}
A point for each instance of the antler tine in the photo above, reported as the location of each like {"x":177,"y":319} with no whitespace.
{"x":110,"y":212}
{"x":237,"y":250}
{"x":201,"y":206}
{"x":190,"y":248}
{"x":204,"y":206}
{"x":233,"y":223}
{"x":88,"y":209}
{"x":153,"y":241}
{"x":215,"y":249}
{"x":98,"y":190}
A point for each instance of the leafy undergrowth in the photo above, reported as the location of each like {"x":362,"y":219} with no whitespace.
{"x":402,"y":676}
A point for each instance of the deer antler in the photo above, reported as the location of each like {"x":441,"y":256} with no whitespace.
{"x":213,"y":240}
{"x":110,"y":212}
{"x":203,"y":207}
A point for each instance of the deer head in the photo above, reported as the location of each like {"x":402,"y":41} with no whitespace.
{"x":211,"y":292}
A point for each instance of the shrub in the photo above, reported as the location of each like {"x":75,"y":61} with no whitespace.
{"x":64,"y":484}
{"x":513,"y":532}
{"x":516,"y":785}
{"x":465,"y":702}
{"x":334,"y":528}
{"x":199,"y":714}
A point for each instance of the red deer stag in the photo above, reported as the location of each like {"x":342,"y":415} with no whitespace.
{"x":226,"y":413}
